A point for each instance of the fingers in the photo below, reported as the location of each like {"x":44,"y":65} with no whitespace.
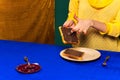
{"x":68,"y":23}
{"x":84,"y":31}
{"x":72,"y":26}
{"x":79,"y":30}
{"x":81,"y":27}
{"x":76,"y":18}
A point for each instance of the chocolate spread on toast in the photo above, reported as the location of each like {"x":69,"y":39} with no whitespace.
{"x":68,"y":36}
{"x":74,"y":52}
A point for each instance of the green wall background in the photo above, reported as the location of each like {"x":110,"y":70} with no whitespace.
{"x":61,"y":10}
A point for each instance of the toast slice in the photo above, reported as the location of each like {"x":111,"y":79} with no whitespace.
{"x":74,"y":54}
{"x":67,"y":36}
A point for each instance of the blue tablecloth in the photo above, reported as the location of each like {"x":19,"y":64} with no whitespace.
{"x":53,"y":66}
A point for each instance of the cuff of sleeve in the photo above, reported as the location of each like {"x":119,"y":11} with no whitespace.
{"x":112,"y":29}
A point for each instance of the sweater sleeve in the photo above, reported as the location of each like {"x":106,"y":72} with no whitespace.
{"x":113,"y":27}
{"x":73,"y":9}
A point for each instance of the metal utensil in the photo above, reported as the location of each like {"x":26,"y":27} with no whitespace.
{"x":105,"y":61}
{"x":26,"y":60}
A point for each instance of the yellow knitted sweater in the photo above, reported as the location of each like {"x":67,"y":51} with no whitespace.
{"x":107,"y":11}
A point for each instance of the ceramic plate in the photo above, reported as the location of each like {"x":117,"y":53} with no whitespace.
{"x":89,"y":54}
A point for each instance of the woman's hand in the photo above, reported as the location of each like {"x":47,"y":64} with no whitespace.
{"x":69,"y":23}
{"x":82,"y":25}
